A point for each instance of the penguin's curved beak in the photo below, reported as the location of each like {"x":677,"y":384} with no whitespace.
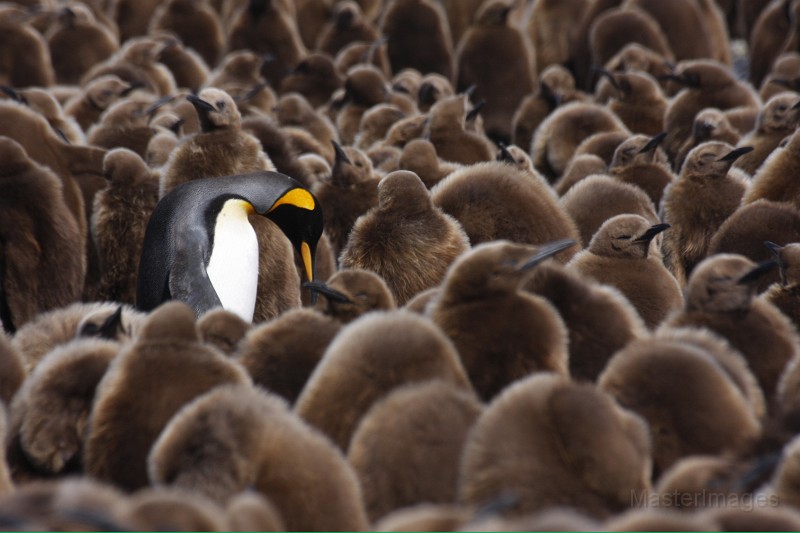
{"x":318,"y":287}
{"x":653,"y":143}
{"x":546,"y":251}
{"x":758,"y":272}
{"x":199,"y":104}
{"x":733,"y":155}
{"x":651,"y":233}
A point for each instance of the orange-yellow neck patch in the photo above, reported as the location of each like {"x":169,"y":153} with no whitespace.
{"x":297,"y":197}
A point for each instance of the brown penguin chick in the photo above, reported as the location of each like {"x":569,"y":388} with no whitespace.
{"x":316,"y":167}
{"x":222,"y":329}
{"x":252,"y":511}
{"x":495,"y":200}
{"x":278,"y":147}
{"x":133,"y":17}
{"x":557,"y":518}
{"x":559,"y":135}
{"x":364,"y":52}
{"x":124,"y":424}
{"x":59,"y":326}
{"x":281,"y":354}
{"x":597,"y":198}
{"x":777,"y":119}
{"x":619,"y":26}
{"x":119,"y":218}
{"x":551,"y":28}
{"x":42,"y":262}
{"x":357,"y":359}
{"x":348,"y":192}
{"x":514,"y":155}
{"x":770,"y":33}
{"x":375,"y":124}
{"x":237,"y":437}
{"x":658,"y":519}
{"x":599,"y":319}
{"x":32,"y":68}
{"x":408,"y":446}
{"x":173,"y":509}
{"x":394,"y":238}
{"x":556,"y":87}
{"x":773,"y":180}
{"x":293,"y":110}
{"x":684,"y":484}
{"x":195,"y":23}
{"x":124,"y":124}
{"x":346,"y":24}
{"x":49,"y":415}
{"x":315,"y":77}
{"x":220,"y":149}
{"x":478,"y":63}
{"x":602,"y":144}
{"x":710,"y":124}
{"x":641,"y":162}
{"x":720,"y":296}
{"x":96,"y":96}
{"x":638,"y":101}
{"x":44,"y":103}
{"x":311,"y":16}
{"x":687,"y":32}
{"x":481,"y":304}
{"x":706,"y":84}
{"x":77,"y":42}
{"x":352,"y":292}
{"x":167,"y":128}
{"x":266,"y":27}
{"x":237,"y":68}
{"x":72,"y":503}
{"x":425,"y":517}
{"x":580,"y":167}
{"x":418,"y":37}
{"x":714,"y":16}
{"x":188,"y":68}
{"x":697,"y":203}
{"x":445,"y":127}
{"x":276,"y":268}
{"x":414,"y":127}
{"x":137,"y":62}
{"x":618,"y":255}
{"x":364,"y":87}
{"x":635,"y":57}
{"x":419,"y":156}
{"x":563,"y":444}
{"x":772,"y":518}
{"x":745,"y":231}
{"x":432,"y":88}
{"x":14,"y":369}
{"x":784,"y":76}
{"x":710,"y":415}
{"x":783,"y":295}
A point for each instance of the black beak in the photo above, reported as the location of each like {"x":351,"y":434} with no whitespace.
{"x":549,"y":95}
{"x":546,"y":251}
{"x":202,"y":107}
{"x":13,"y":94}
{"x":473,"y":113}
{"x":318,"y":287}
{"x":776,"y":251}
{"x":774,"y":248}
{"x":505,"y":155}
{"x":736,"y":154}
{"x":653,"y":143}
{"x":611,"y":79}
{"x":796,"y":105}
{"x":758,"y":272}
{"x":651,"y":233}
{"x":341,"y":157}
{"x":158,"y":104}
{"x":132,"y":87}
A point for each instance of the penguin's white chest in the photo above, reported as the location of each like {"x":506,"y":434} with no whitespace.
{"x":233,"y":265}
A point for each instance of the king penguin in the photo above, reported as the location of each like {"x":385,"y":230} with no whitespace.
{"x":199,"y":246}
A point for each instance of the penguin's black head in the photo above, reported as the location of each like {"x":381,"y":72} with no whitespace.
{"x":299,"y":215}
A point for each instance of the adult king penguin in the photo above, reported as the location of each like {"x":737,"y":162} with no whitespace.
{"x":200,"y":248}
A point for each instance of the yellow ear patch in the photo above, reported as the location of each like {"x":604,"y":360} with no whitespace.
{"x":305,"y":251}
{"x":297,"y":197}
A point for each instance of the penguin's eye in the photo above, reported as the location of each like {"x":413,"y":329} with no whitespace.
{"x":783,"y":107}
{"x":362,"y":296}
{"x":221,"y":105}
{"x":622,"y":237}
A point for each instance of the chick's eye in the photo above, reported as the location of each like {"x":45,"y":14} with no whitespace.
{"x":622,"y":237}
{"x":221,"y":105}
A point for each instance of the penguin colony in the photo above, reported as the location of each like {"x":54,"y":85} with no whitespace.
{"x":400,"y":265}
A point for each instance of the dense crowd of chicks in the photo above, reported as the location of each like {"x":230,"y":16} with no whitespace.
{"x":558,"y":288}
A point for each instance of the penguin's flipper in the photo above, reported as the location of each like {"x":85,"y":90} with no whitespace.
{"x":188,"y":279}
